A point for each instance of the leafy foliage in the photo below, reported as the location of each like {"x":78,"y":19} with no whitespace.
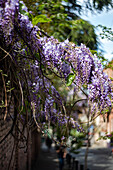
{"x":106,"y":32}
{"x":70,"y":79}
{"x":65,"y":23}
{"x":66,"y":19}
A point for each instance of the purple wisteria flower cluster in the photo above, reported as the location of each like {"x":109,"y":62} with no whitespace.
{"x":100,"y":89}
{"x":48,"y":54}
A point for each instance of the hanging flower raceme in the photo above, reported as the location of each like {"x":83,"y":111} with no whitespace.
{"x":8,"y":10}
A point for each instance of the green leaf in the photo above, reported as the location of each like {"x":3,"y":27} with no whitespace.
{"x":10,"y":89}
{"x":40,"y":18}
{"x":21,"y":9}
{"x":70,"y":79}
{"x":24,"y":12}
{"x":5,"y":75}
{"x":29,"y":15}
{"x":49,"y":135}
{"x":41,"y":7}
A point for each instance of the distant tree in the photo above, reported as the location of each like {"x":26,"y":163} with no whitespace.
{"x":66,"y":21}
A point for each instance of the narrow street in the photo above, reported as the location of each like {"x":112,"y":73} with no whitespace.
{"x":98,"y":159}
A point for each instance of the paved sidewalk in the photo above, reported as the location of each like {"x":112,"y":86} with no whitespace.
{"x":99,"y":158}
{"x":47,"y":160}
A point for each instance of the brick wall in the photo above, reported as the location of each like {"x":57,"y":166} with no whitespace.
{"x":6,"y":146}
{"x":16,"y":154}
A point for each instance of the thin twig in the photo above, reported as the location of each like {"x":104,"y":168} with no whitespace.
{"x":78,"y":101}
{"x":22,"y":97}
{"x":5,"y":96}
{"x":6,"y":53}
{"x":33,"y":108}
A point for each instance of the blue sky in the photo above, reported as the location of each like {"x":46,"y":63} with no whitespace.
{"x":106,"y":19}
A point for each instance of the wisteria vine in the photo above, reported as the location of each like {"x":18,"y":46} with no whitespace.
{"x":37,"y":55}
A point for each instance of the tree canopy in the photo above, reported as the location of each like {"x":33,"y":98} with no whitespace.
{"x":65,"y":19}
